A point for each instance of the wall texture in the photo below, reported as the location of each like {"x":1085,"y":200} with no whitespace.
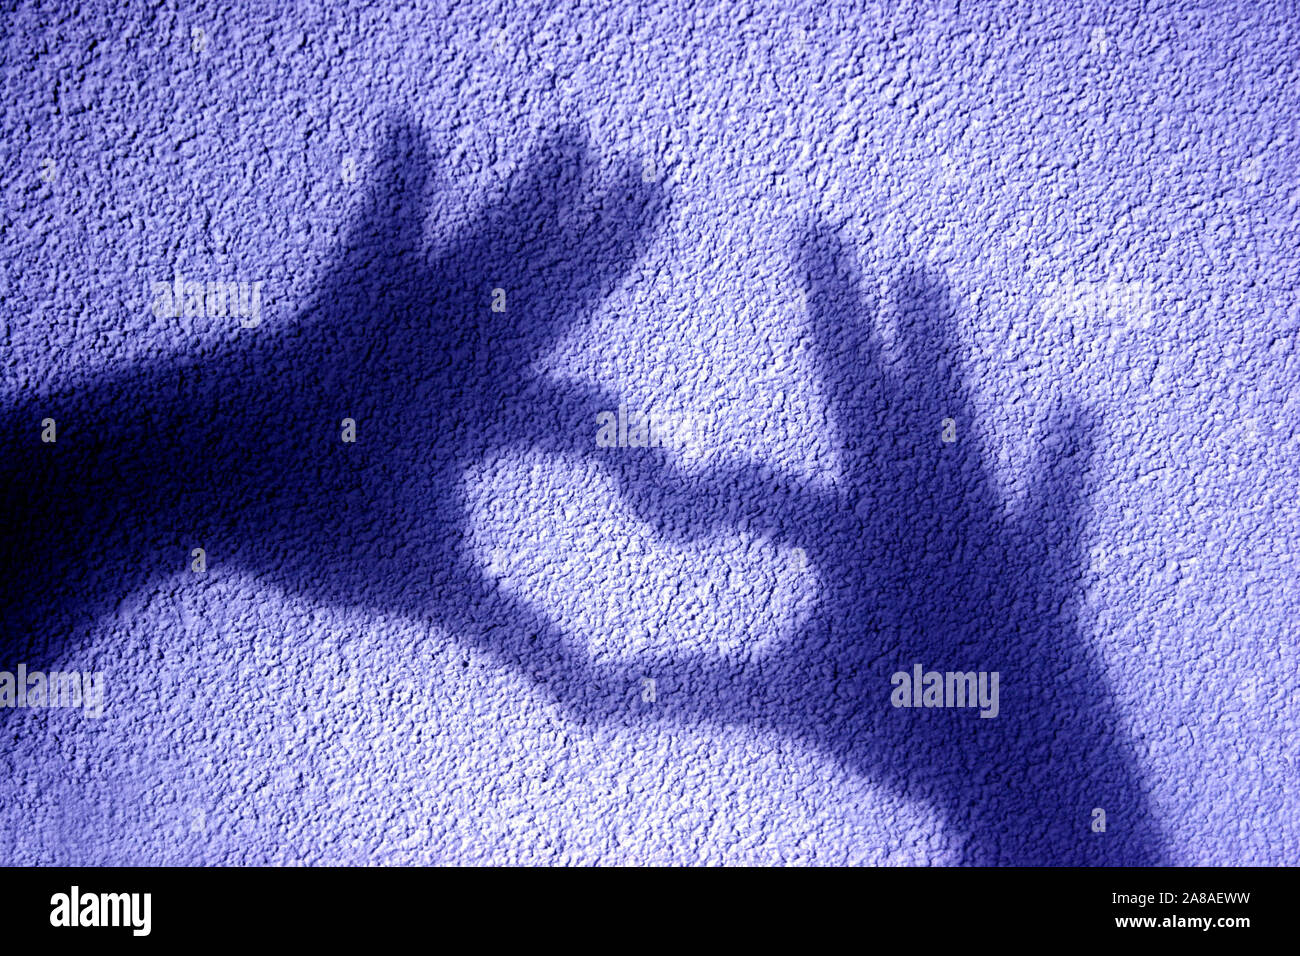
{"x":966,"y":332}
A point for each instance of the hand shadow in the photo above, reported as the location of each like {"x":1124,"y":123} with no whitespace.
{"x":239,"y":451}
{"x":920,"y":562}
{"x":935,"y":571}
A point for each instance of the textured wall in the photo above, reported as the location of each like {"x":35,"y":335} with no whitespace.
{"x":969,"y":332}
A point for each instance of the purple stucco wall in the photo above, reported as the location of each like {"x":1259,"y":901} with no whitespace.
{"x":969,"y":331}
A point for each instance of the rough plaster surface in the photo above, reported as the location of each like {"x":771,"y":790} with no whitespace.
{"x":816,"y":231}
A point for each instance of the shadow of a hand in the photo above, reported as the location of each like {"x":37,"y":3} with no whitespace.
{"x":921,"y":561}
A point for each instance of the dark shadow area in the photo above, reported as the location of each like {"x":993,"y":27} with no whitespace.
{"x":238,"y":451}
